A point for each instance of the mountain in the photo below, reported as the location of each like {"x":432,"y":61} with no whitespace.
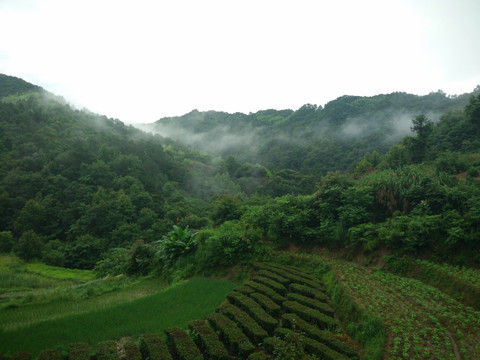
{"x":313,"y":139}
{"x":78,"y":183}
{"x":10,"y":85}
{"x":75,"y":185}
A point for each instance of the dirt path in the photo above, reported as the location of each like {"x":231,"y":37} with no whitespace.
{"x":454,"y":346}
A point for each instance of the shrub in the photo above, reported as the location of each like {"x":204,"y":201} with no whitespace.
{"x":311,"y":315}
{"x":54,"y":253}
{"x":313,"y":303}
{"x":294,"y":322}
{"x":295,"y":276}
{"x":244,"y":289}
{"x":249,"y":326}
{"x":322,"y":351}
{"x":226,"y":208}
{"x":312,"y":346}
{"x":260,"y":355}
{"x":235,"y":339}
{"x":114,"y":263}
{"x":183,"y":345}
{"x":273,"y":276}
{"x":267,"y":304}
{"x":131,"y":350}
{"x":272,"y":343}
{"x":253,"y":309}
{"x":208,"y":340}
{"x":78,"y":351}
{"x":153,"y":347}
{"x":308,"y":291}
{"x":230,"y":244}
{"x":22,"y":355}
{"x":6,"y":241}
{"x":289,"y":345}
{"x":50,"y":354}
{"x":140,"y":258}
{"x":272,"y":294}
{"x":29,"y":246}
{"x":279,"y":288}
{"x":107,"y":350}
{"x":285,"y":269}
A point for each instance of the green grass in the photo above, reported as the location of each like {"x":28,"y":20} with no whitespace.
{"x":49,"y":304}
{"x":17,"y":278}
{"x":59,"y":272}
{"x":175,"y":306}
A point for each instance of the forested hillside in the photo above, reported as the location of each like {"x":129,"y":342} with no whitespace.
{"x":81,"y":190}
{"x":313,"y":139}
{"x":391,"y":181}
{"x":74,"y":184}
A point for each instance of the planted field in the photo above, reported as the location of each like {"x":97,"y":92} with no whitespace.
{"x":20,"y":310}
{"x":423,"y":322}
{"x":242,"y":328}
{"x":174,"y":306}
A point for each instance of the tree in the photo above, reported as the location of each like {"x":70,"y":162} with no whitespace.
{"x":29,"y":246}
{"x":6,"y":241}
{"x":422,"y":127}
{"x":226,"y":208}
{"x":473,"y":110}
{"x":140,"y":258}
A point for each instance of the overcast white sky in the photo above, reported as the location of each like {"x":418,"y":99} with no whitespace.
{"x":142,"y":60}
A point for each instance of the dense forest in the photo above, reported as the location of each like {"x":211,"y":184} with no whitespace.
{"x":394,"y":172}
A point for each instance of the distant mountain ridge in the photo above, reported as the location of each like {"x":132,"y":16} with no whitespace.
{"x":349,"y":124}
{"x":11,"y":85}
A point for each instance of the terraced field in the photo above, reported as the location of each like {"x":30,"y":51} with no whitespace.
{"x":281,"y":311}
{"x":424,"y":323}
{"x":421,"y":321}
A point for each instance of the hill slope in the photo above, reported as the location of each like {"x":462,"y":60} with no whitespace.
{"x":311,"y":140}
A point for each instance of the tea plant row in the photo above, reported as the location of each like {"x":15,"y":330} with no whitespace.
{"x":261,"y":319}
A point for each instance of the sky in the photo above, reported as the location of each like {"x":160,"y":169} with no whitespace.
{"x":139,"y":61}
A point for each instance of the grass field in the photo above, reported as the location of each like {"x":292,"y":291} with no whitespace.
{"x":175,"y":305}
{"x":74,"y":300}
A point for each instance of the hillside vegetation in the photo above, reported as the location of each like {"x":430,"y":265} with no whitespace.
{"x":391,"y":181}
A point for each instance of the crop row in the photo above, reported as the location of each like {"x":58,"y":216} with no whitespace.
{"x":292,"y":321}
{"x":423,"y":322}
{"x":293,"y":275}
{"x":466,"y":275}
{"x":294,"y":298}
{"x":247,"y":304}
{"x":149,"y":346}
{"x":208,"y":341}
{"x":242,"y":328}
{"x":312,"y":346}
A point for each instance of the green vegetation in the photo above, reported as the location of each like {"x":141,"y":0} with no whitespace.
{"x":248,"y":325}
{"x":107,"y":350}
{"x":97,"y":218}
{"x":231,"y":334}
{"x":176,"y":305}
{"x":56,"y":272}
{"x":183,"y":345}
{"x":207,"y":340}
